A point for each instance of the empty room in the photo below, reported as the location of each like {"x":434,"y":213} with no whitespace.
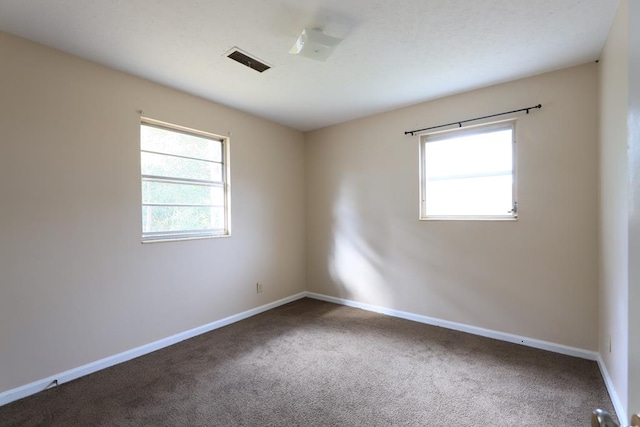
{"x":301,"y":213}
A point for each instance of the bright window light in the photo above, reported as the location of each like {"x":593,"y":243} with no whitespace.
{"x":185,"y":183}
{"x":469,"y":173}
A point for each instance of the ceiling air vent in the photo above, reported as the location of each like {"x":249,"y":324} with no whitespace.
{"x":241,"y":57}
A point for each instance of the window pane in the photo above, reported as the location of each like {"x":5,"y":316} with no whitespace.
{"x":183,"y":184}
{"x":173,"y":193}
{"x":181,"y":144}
{"x":217,"y":218}
{"x":180,"y":218}
{"x":476,"y":154}
{"x":176,"y":167}
{"x":491,"y":196}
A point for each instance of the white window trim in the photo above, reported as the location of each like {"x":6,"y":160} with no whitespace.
{"x":509,"y":216}
{"x":159,"y":237}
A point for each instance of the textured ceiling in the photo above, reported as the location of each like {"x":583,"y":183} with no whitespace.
{"x":394,"y":53}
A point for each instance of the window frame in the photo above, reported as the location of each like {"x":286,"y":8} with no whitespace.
{"x":225,"y":184}
{"x":511,"y":215}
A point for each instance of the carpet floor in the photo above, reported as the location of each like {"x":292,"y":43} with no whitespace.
{"x":312,"y":363}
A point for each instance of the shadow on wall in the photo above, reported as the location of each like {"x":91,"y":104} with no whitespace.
{"x":355,"y":258}
{"x":381,"y":254}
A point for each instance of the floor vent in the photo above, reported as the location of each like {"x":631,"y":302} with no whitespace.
{"x":241,"y":57}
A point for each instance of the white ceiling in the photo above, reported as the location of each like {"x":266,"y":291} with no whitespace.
{"x":395,"y":52}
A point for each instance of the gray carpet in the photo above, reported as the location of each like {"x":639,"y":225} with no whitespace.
{"x":312,"y":363}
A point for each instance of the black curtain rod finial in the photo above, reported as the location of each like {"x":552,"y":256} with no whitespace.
{"x":531,"y":108}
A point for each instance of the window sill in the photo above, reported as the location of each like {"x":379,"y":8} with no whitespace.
{"x":468,"y":218}
{"x":181,"y":239}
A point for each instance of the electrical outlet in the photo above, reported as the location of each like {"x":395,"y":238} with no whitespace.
{"x":258,"y":287}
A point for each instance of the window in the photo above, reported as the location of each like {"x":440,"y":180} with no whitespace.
{"x":185,"y":182}
{"x":469,"y":173}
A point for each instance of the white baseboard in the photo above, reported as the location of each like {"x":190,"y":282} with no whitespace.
{"x":502,"y":336}
{"x":615,"y":399}
{"x":530,"y":342}
{"x":72,"y":374}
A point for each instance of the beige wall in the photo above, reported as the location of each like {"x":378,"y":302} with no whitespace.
{"x":634,"y":211}
{"x":536,"y":277}
{"x":614,"y":255}
{"x":76,"y":283}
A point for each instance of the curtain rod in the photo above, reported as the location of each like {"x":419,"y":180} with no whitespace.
{"x":459,"y":123}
